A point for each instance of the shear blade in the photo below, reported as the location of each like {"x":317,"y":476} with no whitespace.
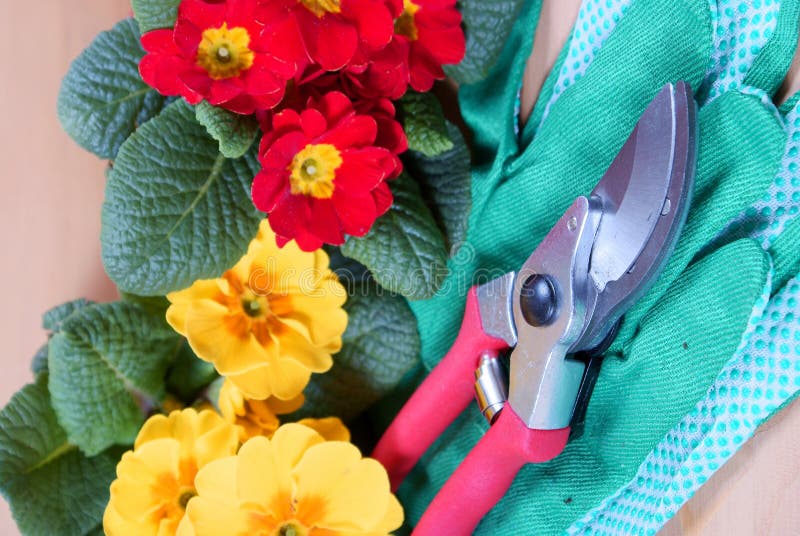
{"x":634,"y":189}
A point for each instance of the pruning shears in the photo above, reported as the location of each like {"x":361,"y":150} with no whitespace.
{"x":557,"y":314}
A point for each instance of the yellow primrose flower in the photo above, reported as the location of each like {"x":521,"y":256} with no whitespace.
{"x":157,"y":478}
{"x":254,"y":417}
{"x":260,"y":417}
{"x":296,"y":483}
{"x":268,"y":322}
{"x":330,"y":428}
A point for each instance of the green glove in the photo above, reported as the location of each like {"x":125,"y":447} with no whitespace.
{"x":676,"y":355}
{"x":520,"y":191}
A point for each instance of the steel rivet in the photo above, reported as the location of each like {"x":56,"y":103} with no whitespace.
{"x":572,"y":223}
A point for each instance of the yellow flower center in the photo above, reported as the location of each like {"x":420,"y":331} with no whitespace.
{"x":185,"y":497}
{"x":225,"y":53}
{"x":254,"y":307}
{"x":292,"y":528}
{"x":321,"y":7}
{"x":404,"y":24}
{"x":313,"y":170}
{"x":174,"y":494}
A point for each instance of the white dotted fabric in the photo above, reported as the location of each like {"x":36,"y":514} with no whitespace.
{"x":764,"y":374}
{"x":596,"y":20}
{"x":741,"y":29}
{"x":767,"y":218}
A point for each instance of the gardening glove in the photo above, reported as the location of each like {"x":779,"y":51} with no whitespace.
{"x":520,"y":190}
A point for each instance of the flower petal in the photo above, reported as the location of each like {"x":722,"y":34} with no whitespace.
{"x":216,"y":510}
{"x":269,"y":187}
{"x":222,"y":337}
{"x":374,"y":21}
{"x":280,"y":154}
{"x":149,"y":468}
{"x":114,"y":524}
{"x":383,"y":198}
{"x":187,"y":36}
{"x":294,"y":346}
{"x":161,"y":72}
{"x":331,"y":428}
{"x":363,"y":169}
{"x":313,"y":123}
{"x":261,"y":477}
{"x":392,"y":519}
{"x":353,"y":130}
{"x":324,"y":222}
{"x":330,"y":40}
{"x":284,"y":379}
{"x":338,"y":490}
{"x":217,"y":481}
{"x":356,"y":211}
{"x":320,"y":310}
{"x":224,"y":90}
{"x":334,"y":105}
{"x":424,"y":67}
{"x":291,"y":217}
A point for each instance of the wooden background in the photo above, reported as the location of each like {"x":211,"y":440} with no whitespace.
{"x":50,"y":197}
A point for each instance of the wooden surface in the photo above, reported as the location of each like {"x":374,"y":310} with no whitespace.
{"x":50,"y":197}
{"x":50,"y":189}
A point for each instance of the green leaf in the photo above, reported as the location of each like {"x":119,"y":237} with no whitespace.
{"x":39,"y":362}
{"x":487,"y":26}
{"x":446,"y":182}
{"x":380,"y":345}
{"x":51,"y":487}
{"x":155,"y":305}
{"x":234,"y":132}
{"x":155,"y":14}
{"x":351,"y":273}
{"x":52,"y":319}
{"x":405,"y":250}
{"x":106,"y":360}
{"x":189,"y":375}
{"x":424,"y":123}
{"x":176,"y":210}
{"x":103,"y":99}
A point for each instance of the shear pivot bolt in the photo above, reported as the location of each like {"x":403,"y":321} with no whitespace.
{"x":538,"y":300}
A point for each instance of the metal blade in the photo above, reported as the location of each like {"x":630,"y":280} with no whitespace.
{"x":633,"y":190}
{"x":645,"y":197}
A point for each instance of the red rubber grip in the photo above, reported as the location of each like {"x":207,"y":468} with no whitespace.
{"x":486,"y":473}
{"x":444,"y":394}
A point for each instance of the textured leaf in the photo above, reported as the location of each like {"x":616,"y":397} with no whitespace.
{"x":52,"y":319}
{"x":380,"y":345}
{"x":51,"y":487}
{"x":155,"y":14}
{"x":176,"y":210}
{"x":351,"y":273}
{"x":424,"y":124}
{"x":106,"y":360}
{"x":445,"y":181}
{"x":487,"y":26}
{"x":103,"y":99}
{"x":405,"y":250}
{"x":189,"y":374}
{"x":155,"y":305}
{"x":234,"y":132}
{"x":39,"y":362}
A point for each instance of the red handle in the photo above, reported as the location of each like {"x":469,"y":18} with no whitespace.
{"x":444,"y":394}
{"x":486,"y":473}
